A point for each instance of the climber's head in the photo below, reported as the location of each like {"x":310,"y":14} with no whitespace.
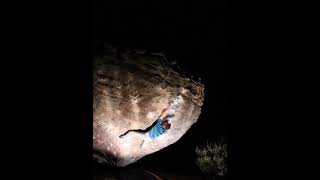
{"x":166,"y":124}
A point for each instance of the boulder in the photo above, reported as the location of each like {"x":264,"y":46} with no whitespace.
{"x":130,"y":90}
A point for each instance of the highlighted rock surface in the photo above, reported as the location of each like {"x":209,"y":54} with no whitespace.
{"x":130,"y":89}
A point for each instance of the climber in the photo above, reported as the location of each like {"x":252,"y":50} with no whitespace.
{"x":160,"y":126}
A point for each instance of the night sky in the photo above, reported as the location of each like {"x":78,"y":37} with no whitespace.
{"x":194,"y":36}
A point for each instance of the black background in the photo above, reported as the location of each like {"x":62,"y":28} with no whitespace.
{"x":259,"y":82}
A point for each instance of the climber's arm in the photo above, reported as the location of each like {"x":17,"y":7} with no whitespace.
{"x":163,"y":113}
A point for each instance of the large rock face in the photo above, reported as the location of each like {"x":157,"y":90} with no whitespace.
{"x":130,"y":89}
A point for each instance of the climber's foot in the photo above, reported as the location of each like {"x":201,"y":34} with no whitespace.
{"x":141,"y":145}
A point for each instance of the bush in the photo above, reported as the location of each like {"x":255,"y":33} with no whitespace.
{"x":212,"y":157}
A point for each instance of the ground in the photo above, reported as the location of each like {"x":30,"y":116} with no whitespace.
{"x":146,"y":173}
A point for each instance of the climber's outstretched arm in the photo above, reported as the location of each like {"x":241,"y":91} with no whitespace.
{"x":163,"y":113}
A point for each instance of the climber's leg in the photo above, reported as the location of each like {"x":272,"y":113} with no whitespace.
{"x":138,"y":132}
{"x":141,"y":145}
{"x":146,"y":140}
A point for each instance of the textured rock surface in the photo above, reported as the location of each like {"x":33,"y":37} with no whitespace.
{"x":130,"y":89}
